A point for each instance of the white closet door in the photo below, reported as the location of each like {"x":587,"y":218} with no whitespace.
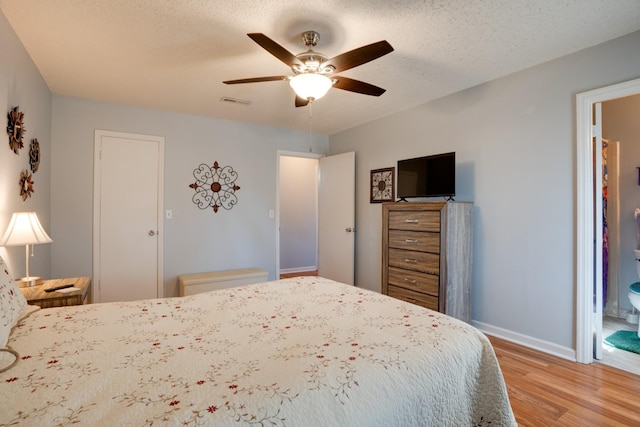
{"x":127,"y":217}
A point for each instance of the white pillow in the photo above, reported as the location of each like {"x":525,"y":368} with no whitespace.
{"x":12,"y":303}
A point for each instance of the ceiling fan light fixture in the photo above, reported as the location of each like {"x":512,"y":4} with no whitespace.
{"x":310,"y":86}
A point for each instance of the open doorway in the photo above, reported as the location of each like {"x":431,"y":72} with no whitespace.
{"x":297,"y":214}
{"x":621,"y":201}
{"x":589,"y":204}
{"x":335,"y":224}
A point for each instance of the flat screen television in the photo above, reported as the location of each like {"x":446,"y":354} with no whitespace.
{"x":429,"y":176}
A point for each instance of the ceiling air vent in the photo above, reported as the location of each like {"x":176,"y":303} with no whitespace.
{"x":235,"y":100}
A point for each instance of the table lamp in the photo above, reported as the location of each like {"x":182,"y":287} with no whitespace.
{"x":25,"y":229}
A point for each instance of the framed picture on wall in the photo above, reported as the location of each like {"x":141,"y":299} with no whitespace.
{"x":382,"y":185}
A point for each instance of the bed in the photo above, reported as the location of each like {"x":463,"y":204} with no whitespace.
{"x":295,"y":352}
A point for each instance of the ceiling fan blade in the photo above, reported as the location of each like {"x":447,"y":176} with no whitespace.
{"x":275,"y":49}
{"x":301,"y":102}
{"x":359,"y":56}
{"x":357,"y":86}
{"x":256,"y":80}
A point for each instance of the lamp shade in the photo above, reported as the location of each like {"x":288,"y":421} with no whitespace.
{"x":24,"y":229}
{"x":310,"y":86}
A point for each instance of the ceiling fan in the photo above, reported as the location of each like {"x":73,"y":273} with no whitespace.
{"x":314,"y":73}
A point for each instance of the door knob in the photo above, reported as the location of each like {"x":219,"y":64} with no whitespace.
{"x":152,"y":233}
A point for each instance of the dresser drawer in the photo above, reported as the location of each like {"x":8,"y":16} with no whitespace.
{"x":419,"y":282}
{"x":413,"y":260}
{"x":413,"y":297}
{"x":415,"y":240}
{"x":415,"y":220}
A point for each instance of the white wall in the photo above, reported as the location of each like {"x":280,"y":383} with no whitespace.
{"x":298,"y":213}
{"x":194,"y":240}
{"x":21,"y":85}
{"x":514,"y":140}
{"x":621,"y":122}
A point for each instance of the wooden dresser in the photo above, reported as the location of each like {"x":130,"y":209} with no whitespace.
{"x":427,"y":255}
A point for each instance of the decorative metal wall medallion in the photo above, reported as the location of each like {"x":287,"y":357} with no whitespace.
{"x":15,"y":129}
{"x":34,"y":155}
{"x":215,"y":187}
{"x":26,"y":185}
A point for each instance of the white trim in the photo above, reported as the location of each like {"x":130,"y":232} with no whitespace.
{"x":279,"y":154}
{"x":585,"y":211}
{"x":299,"y":269}
{"x":527,"y":341}
{"x":97,"y":173}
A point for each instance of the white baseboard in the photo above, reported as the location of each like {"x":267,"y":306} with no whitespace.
{"x":622,"y":313}
{"x":527,"y":341}
{"x":298,"y":269}
{"x":619,"y":313}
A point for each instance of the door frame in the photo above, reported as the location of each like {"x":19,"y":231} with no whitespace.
{"x":585,"y":211}
{"x":97,"y":174}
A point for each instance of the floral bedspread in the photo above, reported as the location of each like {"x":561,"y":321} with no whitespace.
{"x":295,"y":352}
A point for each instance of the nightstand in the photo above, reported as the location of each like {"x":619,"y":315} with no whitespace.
{"x":36,"y":295}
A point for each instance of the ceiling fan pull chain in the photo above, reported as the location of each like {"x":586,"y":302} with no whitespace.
{"x":310,"y":118}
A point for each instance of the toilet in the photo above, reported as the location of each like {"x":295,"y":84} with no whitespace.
{"x":634,"y":289}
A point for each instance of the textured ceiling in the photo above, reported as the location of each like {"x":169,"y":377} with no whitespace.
{"x":174,"y":54}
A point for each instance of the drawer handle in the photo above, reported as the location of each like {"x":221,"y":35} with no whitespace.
{"x":413,"y":282}
{"x":411,"y":240}
{"x":411,"y":221}
{"x":411,"y":260}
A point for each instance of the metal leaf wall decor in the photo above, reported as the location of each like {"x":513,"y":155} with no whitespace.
{"x":15,"y":129}
{"x":215,"y":187}
{"x":34,"y":155}
{"x":26,"y":185}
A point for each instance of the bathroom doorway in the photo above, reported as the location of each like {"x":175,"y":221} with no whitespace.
{"x":621,"y":197}
{"x":588,"y":203}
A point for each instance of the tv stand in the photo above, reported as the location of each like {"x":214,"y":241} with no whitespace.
{"x":446,"y":198}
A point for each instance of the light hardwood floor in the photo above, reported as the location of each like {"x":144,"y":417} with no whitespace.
{"x":302,"y":273}
{"x":548,"y":391}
